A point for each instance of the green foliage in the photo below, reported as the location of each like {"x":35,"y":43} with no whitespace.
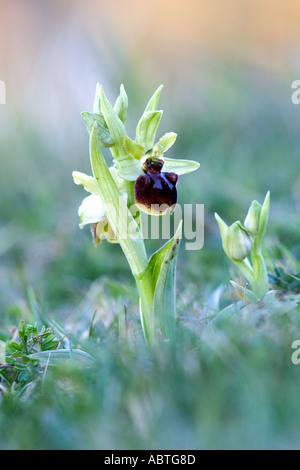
{"x":285,"y":281}
{"x":240,"y":390}
{"x":20,"y":364}
{"x":237,"y":390}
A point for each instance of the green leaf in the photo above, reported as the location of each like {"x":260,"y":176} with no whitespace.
{"x":114,"y":124}
{"x":103,"y":133}
{"x":251,"y":314}
{"x":147,"y":127}
{"x":121,"y":104}
{"x":9,"y":360}
{"x":48,"y":338}
{"x":163,"y":265}
{"x":20,"y":367}
{"x":122,"y":222}
{"x":244,"y":293}
{"x":24,"y":376}
{"x":274,"y":302}
{"x":50,"y":345}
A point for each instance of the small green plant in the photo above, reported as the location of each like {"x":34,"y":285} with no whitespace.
{"x":25,"y":358}
{"x":20,"y":363}
{"x":140,"y":178}
{"x":240,"y":241}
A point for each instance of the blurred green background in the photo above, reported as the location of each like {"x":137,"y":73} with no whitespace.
{"x":227,"y":69}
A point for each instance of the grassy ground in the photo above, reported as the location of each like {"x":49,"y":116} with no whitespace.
{"x":238,"y":388}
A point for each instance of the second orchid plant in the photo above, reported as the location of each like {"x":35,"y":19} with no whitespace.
{"x":140,"y":178}
{"x":240,"y":241}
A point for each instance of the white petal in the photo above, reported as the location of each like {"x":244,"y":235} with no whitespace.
{"x":91,"y":211}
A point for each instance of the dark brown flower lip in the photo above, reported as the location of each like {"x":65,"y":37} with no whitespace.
{"x":155,"y":191}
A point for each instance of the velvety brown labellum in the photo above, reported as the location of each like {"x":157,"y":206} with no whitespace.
{"x":155,"y":192}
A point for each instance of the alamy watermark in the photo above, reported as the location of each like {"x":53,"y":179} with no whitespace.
{"x":2,"y":92}
{"x":296,"y":94}
{"x":193,"y":225}
{"x":295,"y":358}
{"x":156,"y":228}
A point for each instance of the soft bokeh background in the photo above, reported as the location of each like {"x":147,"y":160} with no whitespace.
{"x":227,"y":69}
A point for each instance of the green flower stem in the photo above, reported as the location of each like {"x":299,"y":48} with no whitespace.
{"x":260,"y":283}
{"x":246,"y":269}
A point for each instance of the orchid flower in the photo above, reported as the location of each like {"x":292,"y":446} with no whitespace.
{"x":142,"y":178}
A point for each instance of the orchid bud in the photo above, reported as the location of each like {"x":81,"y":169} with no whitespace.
{"x":251,"y":223}
{"x":155,"y":192}
{"x":237,"y":242}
